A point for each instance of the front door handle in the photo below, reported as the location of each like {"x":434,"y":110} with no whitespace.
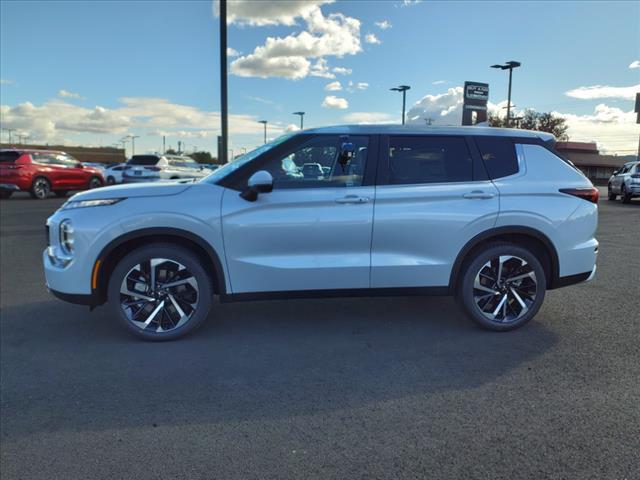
{"x":352,"y":199}
{"x":478,"y":195}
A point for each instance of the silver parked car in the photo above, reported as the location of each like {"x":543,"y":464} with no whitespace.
{"x":155,"y":167}
{"x":625,"y":182}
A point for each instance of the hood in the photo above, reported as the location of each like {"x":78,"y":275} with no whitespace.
{"x":160,"y":189}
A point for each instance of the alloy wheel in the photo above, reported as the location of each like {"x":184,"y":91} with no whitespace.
{"x":159,"y":295}
{"x":41,"y":188}
{"x":505,"y":288}
{"x":94,"y":183}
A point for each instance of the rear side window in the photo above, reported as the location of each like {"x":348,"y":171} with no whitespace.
{"x":418,"y":160}
{"x":143,"y":160}
{"x":9,"y":157}
{"x":498,"y":155}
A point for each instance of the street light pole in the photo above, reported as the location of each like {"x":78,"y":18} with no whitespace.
{"x":133,"y":143}
{"x":264,"y":122}
{"x":403,"y":89}
{"x":223,"y":83}
{"x":510,"y":65}
{"x":301,"y":118}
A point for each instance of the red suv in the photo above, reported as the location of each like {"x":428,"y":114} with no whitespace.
{"x":40,"y":172}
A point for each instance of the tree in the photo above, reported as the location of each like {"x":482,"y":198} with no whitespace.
{"x":202,"y":157}
{"x":532,"y":120}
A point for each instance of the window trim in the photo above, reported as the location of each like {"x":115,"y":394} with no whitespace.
{"x":383,"y":171}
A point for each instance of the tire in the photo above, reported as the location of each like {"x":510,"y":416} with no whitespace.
{"x":94,"y":182}
{"x":157,"y":306}
{"x":4,"y":194}
{"x":517,"y":308}
{"x":40,"y":188}
{"x":626,"y":197}
{"x":111,"y":180}
{"x":61,"y":193}
{"x":612,"y":196}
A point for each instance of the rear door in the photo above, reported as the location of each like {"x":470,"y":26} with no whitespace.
{"x":433,"y":196}
{"x":313,"y":231}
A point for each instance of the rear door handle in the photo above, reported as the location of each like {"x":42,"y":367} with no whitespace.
{"x":352,"y":199}
{"x":478,"y":195}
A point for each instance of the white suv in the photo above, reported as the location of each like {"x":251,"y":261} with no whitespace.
{"x":151,"y":168}
{"x":493,"y":216}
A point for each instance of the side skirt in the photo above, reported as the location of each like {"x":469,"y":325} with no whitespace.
{"x":354,"y":292}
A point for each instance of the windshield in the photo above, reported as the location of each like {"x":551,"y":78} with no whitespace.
{"x":230,"y":167}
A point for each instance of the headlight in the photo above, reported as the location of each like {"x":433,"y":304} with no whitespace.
{"x":90,"y":203}
{"x":66,"y":236}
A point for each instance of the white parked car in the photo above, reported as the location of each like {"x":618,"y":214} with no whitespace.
{"x":113,"y":173}
{"x":493,"y":216}
{"x":625,"y":182}
{"x":152,"y":168}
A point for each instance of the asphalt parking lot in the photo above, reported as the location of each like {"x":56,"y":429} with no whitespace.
{"x":402,"y":387}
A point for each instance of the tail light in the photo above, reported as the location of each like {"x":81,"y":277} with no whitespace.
{"x":591,"y":194}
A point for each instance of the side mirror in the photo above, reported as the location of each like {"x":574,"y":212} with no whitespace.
{"x":79,"y":165}
{"x":347,"y":152}
{"x":259,"y":182}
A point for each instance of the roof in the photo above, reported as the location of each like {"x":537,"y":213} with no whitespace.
{"x":585,"y":147}
{"x":415,"y":129}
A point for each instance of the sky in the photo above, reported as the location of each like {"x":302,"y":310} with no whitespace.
{"x":92,"y":72}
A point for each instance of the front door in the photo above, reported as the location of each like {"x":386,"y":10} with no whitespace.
{"x":313,"y":231}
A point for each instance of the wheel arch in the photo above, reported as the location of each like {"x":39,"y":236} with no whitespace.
{"x":115,"y":250}
{"x":531,"y":238}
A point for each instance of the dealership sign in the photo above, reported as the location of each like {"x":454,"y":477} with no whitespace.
{"x":476,"y":96}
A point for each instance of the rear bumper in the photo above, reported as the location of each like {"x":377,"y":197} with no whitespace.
{"x":128,"y":179}
{"x":574,"y":279}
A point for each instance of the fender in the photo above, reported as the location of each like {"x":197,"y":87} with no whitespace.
{"x":219,"y":276}
{"x":500,"y":231}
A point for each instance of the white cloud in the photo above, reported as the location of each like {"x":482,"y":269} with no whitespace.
{"x":55,"y":119}
{"x":370,"y":117}
{"x":439,"y":82}
{"x":604,"y":91}
{"x":5,"y":81}
{"x":288,"y":57}
{"x":291,"y":128}
{"x":181,"y":133}
{"x":362,"y":85}
{"x":232,"y":52}
{"x":408,"y":3}
{"x":383,"y":25}
{"x":331,"y":101}
{"x":635,"y":64}
{"x":321,"y":69}
{"x":68,"y":94}
{"x":342,"y":70}
{"x":333,"y":86}
{"x":371,"y":38}
{"x":443,"y":109}
{"x":271,"y":12}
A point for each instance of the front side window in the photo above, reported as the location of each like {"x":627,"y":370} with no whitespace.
{"x":429,"y":159}
{"x":317,"y":164}
{"x":498,"y":155}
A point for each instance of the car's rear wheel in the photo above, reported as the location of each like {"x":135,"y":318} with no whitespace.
{"x":111,"y":180}
{"x":40,"y":188}
{"x":94,"y":182}
{"x":611,"y":195}
{"x":61,"y":193}
{"x":626,"y":196}
{"x":160,"y":292}
{"x":503,"y":286}
{"x":4,"y":194}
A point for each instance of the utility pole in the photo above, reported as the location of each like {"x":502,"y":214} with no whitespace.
{"x":403,"y":89}
{"x":264,"y":122}
{"x":510,"y":65}
{"x":223,"y":81}
{"x":9,"y":130}
{"x":133,"y":143}
{"x":164,"y":144}
{"x":301,"y":119}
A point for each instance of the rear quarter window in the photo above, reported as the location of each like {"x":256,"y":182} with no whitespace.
{"x":499,"y":156}
{"x":9,"y":157}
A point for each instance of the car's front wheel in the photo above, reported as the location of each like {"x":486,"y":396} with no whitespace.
{"x":626,"y":196}
{"x":610,"y":194}
{"x":502,"y":287}
{"x":111,"y":180}
{"x":160,"y":292}
{"x":40,"y":188}
{"x":94,"y":182}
